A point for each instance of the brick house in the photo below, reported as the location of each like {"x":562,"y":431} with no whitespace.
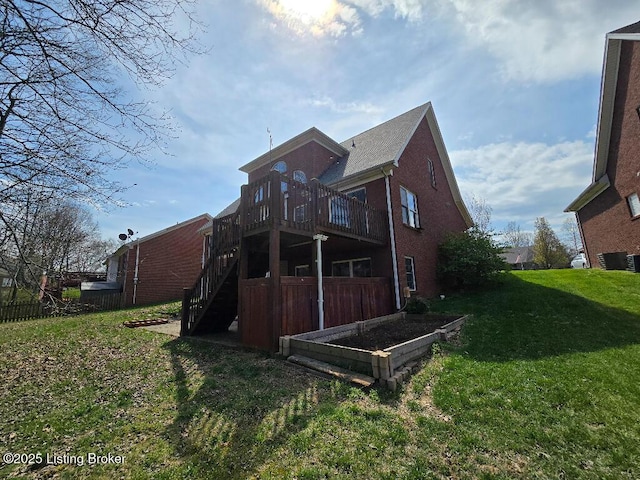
{"x":156,"y":268}
{"x":608,"y":210}
{"x":328,"y":233}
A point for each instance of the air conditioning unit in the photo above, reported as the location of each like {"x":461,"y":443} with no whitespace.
{"x":633,"y":263}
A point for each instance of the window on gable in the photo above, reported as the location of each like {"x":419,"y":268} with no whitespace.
{"x":409,"y":266}
{"x":634,"y":204}
{"x":409,"y":208}
{"x":432,"y":172}
{"x":280,"y":167}
{"x":299,"y":176}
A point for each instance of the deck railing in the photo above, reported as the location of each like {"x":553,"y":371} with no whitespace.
{"x":311,"y":208}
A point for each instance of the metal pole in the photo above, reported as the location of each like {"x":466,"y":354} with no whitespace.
{"x":319,"y":238}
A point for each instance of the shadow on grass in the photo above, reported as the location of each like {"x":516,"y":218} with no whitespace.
{"x":236,"y":408}
{"x":524,"y":320}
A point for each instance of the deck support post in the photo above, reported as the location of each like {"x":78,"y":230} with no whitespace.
{"x":319,"y":238}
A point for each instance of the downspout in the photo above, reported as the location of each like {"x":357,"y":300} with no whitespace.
{"x":319,"y":238}
{"x":392,"y":235}
{"x":135,"y":274}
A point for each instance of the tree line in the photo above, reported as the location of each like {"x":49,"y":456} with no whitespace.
{"x":67,"y":121}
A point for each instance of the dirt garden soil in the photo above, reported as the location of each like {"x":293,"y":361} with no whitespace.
{"x":398,"y":331}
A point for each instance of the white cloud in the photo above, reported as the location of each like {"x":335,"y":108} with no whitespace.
{"x":521,"y":181}
{"x":349,"y":107}
{"x":545,"y":40}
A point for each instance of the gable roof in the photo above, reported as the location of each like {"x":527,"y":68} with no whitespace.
{"x":310,"y":135}
{"x":516,"y":255}
{"x":207,"y":228}
{"x":371,"y":154}
{"x":377,"y":147}
{"x":599,"y":179}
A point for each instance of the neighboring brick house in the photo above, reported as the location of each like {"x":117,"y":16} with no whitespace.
{"x":608,"y":210}
{"x":157,"y":268}
{"x":370,"y":211}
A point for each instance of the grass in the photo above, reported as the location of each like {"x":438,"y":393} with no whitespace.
{"x":542,"y":383}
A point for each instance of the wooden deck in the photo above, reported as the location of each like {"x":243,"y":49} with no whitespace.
{"x":276,"y":201}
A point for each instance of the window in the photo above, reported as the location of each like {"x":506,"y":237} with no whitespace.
{"x":280,"y":167}
{"x":360,"y":267}
{"x":634,"y":204}
{"x":299,"y":176}
{"x":339,"y":211}
{"x":409,"y":208}
{"x":300,"y":213}
{"x":409,"y":267}
{"x":432,"y":172}
{"x":359,"y":194}
{"x":303,"y":271}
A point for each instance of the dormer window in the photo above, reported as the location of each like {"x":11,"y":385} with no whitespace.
{"x":280,"y":167}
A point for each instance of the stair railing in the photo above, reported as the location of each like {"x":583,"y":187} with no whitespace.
{"x":225,"y":240}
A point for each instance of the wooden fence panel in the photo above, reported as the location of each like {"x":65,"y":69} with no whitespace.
{"x":299,"y":305}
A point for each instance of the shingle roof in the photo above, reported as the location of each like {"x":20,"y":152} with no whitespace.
{"x":633,"y":28}
{"x":376,"y":147}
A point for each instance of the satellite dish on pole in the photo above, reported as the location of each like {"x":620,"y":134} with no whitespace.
{"x":130,"y":232}
{"x":122,"y":237}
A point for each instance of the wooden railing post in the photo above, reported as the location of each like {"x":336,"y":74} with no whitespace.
{"x":184,"y":323}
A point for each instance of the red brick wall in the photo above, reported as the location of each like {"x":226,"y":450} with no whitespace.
{"x":606,"y":221}
{"x":436,"y":209}
{"x":313,"y":159}
{"x":167,"y":264}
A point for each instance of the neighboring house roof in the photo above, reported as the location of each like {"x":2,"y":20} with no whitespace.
{"x":516,"y":255}
{"x":126,"y":246}
{"x":207,"y":228}
{"x":600,"y":180}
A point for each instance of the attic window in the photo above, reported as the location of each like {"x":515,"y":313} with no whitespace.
{"x":280,"y":167}
{"x":299,"y":176}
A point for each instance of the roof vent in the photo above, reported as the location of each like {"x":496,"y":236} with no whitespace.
{"x":353,"y":143}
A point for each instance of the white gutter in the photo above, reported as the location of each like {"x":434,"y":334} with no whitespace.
{"x":319,"y":238}
{"x":392,"y":235}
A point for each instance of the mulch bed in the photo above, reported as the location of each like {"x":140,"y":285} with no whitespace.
{"x":393,"y":333}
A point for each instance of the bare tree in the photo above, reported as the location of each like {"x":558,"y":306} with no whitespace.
{"x":571,"y":235}
{"x":62,"y":112}
{"x":514,"y":237}
{"x":480,"y":213}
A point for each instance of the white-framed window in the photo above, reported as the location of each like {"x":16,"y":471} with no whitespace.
{"x":357,"y":267}
{"x":634,"y":204}
{"x":358,"y":194}
{"x":432,"y":172}
{"x":409,"y":203}
{"x":302,"y":270}
{"x":299,"y":176}
{"x":280,"y":167}
{"x":409,"y":266}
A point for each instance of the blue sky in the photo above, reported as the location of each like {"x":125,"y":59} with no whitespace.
{"x":514,"y":84}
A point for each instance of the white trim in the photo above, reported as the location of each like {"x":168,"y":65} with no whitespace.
{"x":392,"y":239}
{"x":413,"y":272}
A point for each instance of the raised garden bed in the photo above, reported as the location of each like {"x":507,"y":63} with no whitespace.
{"x":381,"y":348}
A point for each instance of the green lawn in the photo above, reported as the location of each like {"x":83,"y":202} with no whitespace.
{"x":544,"y":382}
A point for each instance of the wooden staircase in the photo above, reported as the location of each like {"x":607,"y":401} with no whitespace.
{"x":211,"y":304}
